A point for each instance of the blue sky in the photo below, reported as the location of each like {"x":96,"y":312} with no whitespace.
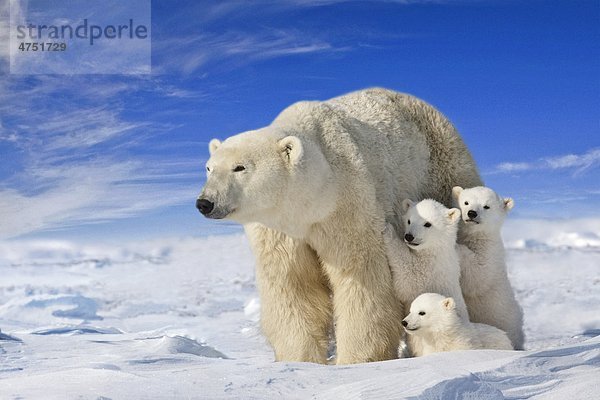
{"x":114,"y":157}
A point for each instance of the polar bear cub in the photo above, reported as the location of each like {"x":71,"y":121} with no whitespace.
{"x":484,"y":280}
{"x":434,"y":319}
{"x":425,"y":259}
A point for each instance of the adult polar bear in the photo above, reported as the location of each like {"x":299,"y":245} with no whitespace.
{"x":314,"y":190}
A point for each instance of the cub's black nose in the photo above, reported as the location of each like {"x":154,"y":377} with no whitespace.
{"x":404,"y":323}
{"x":408,"y":237}
{"x":472,"y":214}
{"x":204,"y":206}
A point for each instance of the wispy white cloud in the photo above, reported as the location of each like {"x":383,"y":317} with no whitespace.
{"x":84,"y":165}
{"x":206,"y":45}
{"x":81,"y":128}
{"x":65,"y":181}
{"x":577,"y":162}
{"x":580,"y":162}
{"x":513,"y":167}
{"x":189,"y":54}
{"x":226,"y":8}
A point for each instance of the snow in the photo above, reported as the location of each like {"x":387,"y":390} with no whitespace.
{"x":178,"y":318}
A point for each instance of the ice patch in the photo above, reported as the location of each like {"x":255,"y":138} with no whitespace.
{"x":110,"y":367}
{"x":77,"y":330}
{"x":155,"y":360}
{"x":85,"y":308}
{"x":42,"y":253}
{"x":575,"y":240}
{"x":562,"y":241}
{"x":590,"y":333}
{"x":252,"y":309}
{"x":526,"y":244}
{"x":544,"y":235}
{"x":216,"y":308}
{"x":183,"y":345}
{"x":138,"y":309}
{"x":9,"y":338}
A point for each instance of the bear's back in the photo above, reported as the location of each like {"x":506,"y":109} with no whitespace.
{"x":418,"y":136}
{"x":407,"y":148}
{"x":404,"y":117}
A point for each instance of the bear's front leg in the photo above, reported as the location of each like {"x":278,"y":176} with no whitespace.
{"x":367,"y":312}
{"x":296,"y":309}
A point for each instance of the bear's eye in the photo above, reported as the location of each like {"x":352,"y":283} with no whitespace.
{"x":408,"y":221}
{"x":207,"y":169}
{"x":486,"y":207}
{"x":421,"y":312}
{"x":427,"y":225}
{"x":466,"y":203}
{"x":239,"y":168}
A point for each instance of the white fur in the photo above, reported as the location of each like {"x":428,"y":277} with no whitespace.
{"x":433,"y":319}
{"x":484,"y":280}
{"x":315,"y":190}
{"x":428,"y":263}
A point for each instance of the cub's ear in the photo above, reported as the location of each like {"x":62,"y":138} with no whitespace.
{"x":406,"y":204}
{"x":453,"y":215}
{"x":508,"y":203}
{"x":448,"y":303}
{"x":456,"y":191}
{"x":291,"y":148}
{"x":213,"y":146}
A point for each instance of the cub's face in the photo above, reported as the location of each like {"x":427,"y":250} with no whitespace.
{"x":481,"y":208}
{"x":247,"y":176}
{"x":429,"y":224}
{"x":429,"y":313}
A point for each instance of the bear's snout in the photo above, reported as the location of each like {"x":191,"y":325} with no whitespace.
{"x":472,"y":214}
{"x":409,"y":238}
{"x":404,"y":323}
{"x":204,"y":206}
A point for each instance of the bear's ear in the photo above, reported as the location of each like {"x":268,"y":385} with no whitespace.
{"x":508,"y":203}
{"x":213,"y":146}
{"x":406,"y":204}
{"x":456,"y":191}
{"x":453,"y":215}
{"x":291,"y":148}
{"x":448,"y":303}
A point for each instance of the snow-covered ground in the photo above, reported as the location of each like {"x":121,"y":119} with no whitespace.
{"x":178,"y":319}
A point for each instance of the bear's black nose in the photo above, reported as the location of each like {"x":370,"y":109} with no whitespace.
{"x":204,"y":206}
{"x":472,"y":214}
{"x":404,"y":323}
{"x":408,"y":237}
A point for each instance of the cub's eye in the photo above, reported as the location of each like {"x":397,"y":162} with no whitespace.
{"x":486,"y":207}
{"x":408,"y":221}
{"x":427,"y":225}
{"x":239,"y":168}
{"x":466,"y":203}
{"x":207,"y":169}
{"x":421,"y":312}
